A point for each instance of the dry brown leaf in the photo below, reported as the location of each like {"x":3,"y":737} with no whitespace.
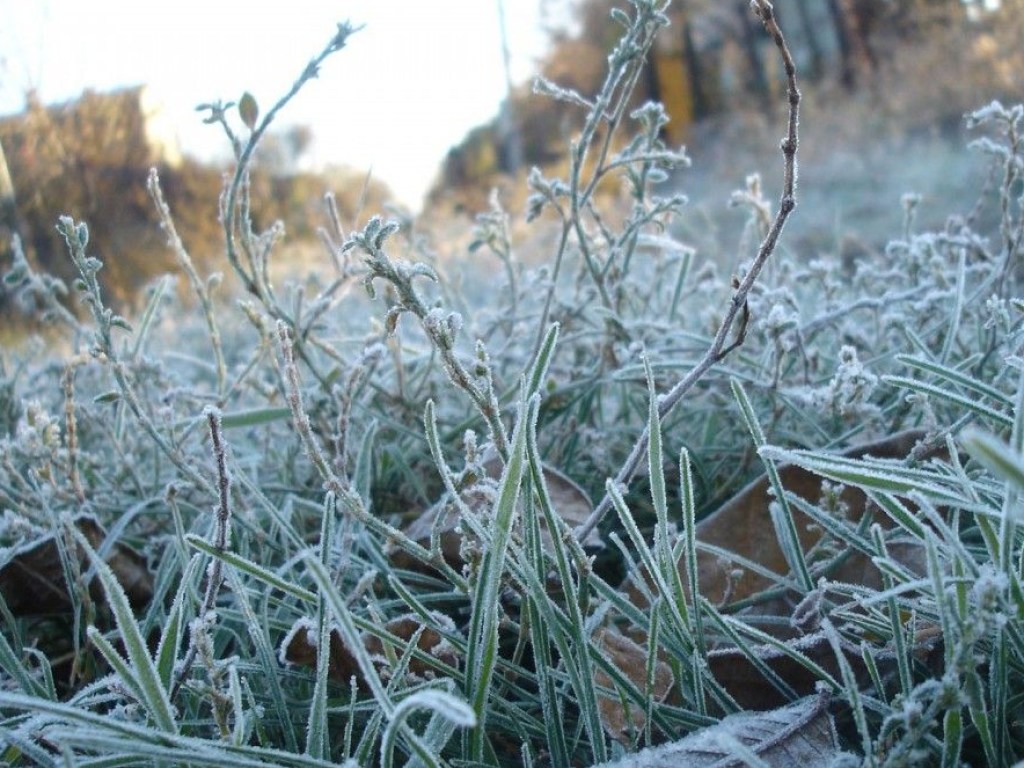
{"x":32,"y":581}
{"x":742,"y":525}
{"x":735,"y":671}
{"x":299,"y":647}
{"x":568,"y":500}
{"x":631,"y":659}
{"x":801,"y":735}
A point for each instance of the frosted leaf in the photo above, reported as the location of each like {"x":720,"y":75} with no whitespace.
{"x":37,"y":431}
{"x":799,"y":735}
{"x":994,"y":110}
{"x":32,"y":580}
{"x":373,"y":354}
{"x":998,"y":314}
{"x":433,"y":319}
{"x":303,"y":629}
{"x":454,"y":322}
{"x":666,"y":244}
{"x":458,"y":525}
{"x":631,"y":660}
{"x":852,"y":384}
{"x":779,"y":319}
{"x":989,"y":596}
{"x":16,"y":528}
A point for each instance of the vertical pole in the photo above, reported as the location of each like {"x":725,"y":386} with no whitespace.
{"x":841,"y":24}
{"x":8,"y":205}
{"x":811,"y":40}
{"x":508,"y":133}
{"x":757,"y":81}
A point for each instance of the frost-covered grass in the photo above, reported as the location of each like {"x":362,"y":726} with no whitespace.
{"x":267,"y":455}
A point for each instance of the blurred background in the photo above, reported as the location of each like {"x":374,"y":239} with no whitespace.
{"x":430,"y":107}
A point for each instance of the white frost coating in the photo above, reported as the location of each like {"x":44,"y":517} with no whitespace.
{"x":16,"y":529}
{"x":801,"y":734}
{"x":37,"y":431}
{"x":305,"y":624}
{"x":374,"y":353}
{"x":665,"y":243}
{"x":454,"y":322}
{"x":779,"y":319}
{"x":433,"y":319}
{"x":443,"y":650}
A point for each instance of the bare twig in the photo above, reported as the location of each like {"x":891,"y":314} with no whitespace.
{"x":221,"y":530}
{"x":720,"y":345}
{"x":71,"y":429}
{"x":607,"y":109}
{"x":250,"y":277}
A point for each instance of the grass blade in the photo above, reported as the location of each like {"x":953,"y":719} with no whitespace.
{"x":153,"y":694}
{"x":245,"y":565}
{"x":483,"y":633}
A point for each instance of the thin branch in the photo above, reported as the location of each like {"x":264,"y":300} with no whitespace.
{"x":720,"y":345}
{"x":221,"y":532}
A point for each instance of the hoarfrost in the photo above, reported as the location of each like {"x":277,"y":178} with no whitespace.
{"x":304,"y":624}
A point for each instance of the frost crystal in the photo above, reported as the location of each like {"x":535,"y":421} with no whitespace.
{"x":852,"y":384}
{"x":304,"y":624}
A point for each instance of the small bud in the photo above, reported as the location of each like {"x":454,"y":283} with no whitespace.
{"x":249,"y":110}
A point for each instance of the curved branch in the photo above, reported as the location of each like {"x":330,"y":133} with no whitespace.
{"x":720,"y":345}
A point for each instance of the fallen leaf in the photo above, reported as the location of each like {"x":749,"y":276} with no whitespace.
{"x":299,"y":647}
{"x":568,"y":500}
{"x":751,"y":688}
{"x":32,"y":581}
{"x":801,"y":735}
{"x":631,"y":659}
{"x":742,"y":527}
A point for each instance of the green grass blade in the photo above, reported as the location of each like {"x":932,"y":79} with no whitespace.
{"x":539,"y":370}
{"x":254,"y":417}
{"x":170,"y":637}
{"x":961,"y":401}
{"x":317,"y":740}
{"x":74,"y":726}
{"x":317,"y":737}
{"x":954,"y":376}
{"x":267,"y":659}
{"x":12,"y":666}
{"x":871,"y":474}
{"x":149,"y":315}
{"x":154,"y":696}
{"x":578,"y":640}
{"x":785,"y":526}
{"x":245,"y":565}
{"x":483,"y":633}
{"x":349,"y":631}
{"x":994,"y":455}
{"x":445,"y":705}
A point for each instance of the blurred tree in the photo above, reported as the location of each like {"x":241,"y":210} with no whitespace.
{"x":923,"y":62}
{"x":855,"y":24}
{"x":508,"y":135}
{"x":90,"y":158}
{"x":811,"y":39}
{"x":87,"y":159}
{"x":751,"y":39}
{"x":942,"y":58}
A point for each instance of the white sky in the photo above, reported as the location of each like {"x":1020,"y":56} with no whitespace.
{"x":407,"y":87}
